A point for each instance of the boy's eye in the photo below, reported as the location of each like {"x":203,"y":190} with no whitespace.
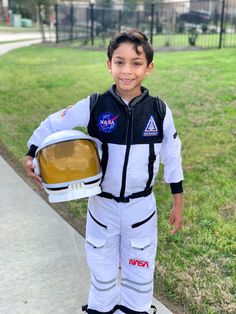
{"x":119,"y":62}
{"x":137,"y":64}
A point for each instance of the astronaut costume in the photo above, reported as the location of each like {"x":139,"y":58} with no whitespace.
{"x":122,"y":221}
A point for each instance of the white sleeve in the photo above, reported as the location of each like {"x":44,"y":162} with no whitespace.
{"x":65,"y":119}
{"x":170,"y":151}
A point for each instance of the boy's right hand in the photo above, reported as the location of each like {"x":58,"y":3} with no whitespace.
{"x":29,"y":167}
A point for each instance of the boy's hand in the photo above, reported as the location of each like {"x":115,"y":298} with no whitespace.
{"x":176,"y":214}
{"x":29,"y":167}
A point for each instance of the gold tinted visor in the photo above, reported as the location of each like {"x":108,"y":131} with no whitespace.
{"x":68,"y":161}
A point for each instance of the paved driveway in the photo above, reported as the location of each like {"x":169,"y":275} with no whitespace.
{"x":4,"y":48}
{"x":11,"y":36}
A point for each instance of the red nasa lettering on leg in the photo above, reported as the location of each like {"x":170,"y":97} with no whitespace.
{"x":136,"y":262}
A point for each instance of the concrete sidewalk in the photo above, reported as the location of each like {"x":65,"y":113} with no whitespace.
{"x":42,"y":259}
{"x":4,"y":48}
{"x":11,"y":36}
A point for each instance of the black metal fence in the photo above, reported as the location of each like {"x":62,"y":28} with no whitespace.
{"x":200,"y":23}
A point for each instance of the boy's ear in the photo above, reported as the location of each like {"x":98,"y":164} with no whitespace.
{"x":149,"y":68}
{"x":109,"y":65}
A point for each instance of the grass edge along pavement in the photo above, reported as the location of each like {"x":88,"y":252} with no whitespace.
{"x":197,"y":266}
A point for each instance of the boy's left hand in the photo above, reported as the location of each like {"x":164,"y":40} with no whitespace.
{"x":176,"y":218}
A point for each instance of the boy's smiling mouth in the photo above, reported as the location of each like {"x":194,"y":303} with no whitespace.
{"x":127,"y":80}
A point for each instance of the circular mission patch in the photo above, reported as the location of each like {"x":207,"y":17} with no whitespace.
{"x":107,"y":122}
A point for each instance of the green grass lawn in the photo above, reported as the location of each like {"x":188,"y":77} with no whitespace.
{"x":196,"y":267}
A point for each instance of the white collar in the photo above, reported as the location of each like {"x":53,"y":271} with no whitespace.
{"x":125,"y":101}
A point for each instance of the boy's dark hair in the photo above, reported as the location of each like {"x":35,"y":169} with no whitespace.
{"x":135,"y":37}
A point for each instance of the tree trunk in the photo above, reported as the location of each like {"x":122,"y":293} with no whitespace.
{"x":1,"y":11}
{"x":41,"y":26}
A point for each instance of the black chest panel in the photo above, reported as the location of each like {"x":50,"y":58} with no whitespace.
{"x":112,"y":121}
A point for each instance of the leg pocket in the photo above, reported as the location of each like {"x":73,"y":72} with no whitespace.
{"x":140,"y":248}
{"x":96,"y":251}
{"x":96,"y":240}
{"x":95,"y":243}
{"x":143,"y":242}
{"x":102,"y":247}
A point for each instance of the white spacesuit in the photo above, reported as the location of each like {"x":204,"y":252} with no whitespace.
{"x":122,"y":221}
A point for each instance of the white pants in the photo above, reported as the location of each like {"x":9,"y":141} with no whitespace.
{"x":125,"y":235}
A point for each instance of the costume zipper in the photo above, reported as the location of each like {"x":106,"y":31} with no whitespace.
{"x":128,"y":144}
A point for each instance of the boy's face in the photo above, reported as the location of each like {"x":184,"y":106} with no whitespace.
{"x":128,"y":70}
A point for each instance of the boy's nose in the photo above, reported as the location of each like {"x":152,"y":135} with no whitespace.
{"x":127,"y":68}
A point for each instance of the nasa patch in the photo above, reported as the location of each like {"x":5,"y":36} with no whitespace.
{"x":151,"y":128}
{"x":107,"y":122}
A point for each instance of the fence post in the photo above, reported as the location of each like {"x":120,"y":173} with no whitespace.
{"x":222,"y":23}
{"x":71,"y":22}
{"x":57,"y":23}
{"x":119,"y":20}
{"x":92,"y":22}
{"x":152,"y":21}
{"x":138,"y":19}
{"x":87,"y":21}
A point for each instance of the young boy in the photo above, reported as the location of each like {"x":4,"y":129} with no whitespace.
{"x":136,"y":131}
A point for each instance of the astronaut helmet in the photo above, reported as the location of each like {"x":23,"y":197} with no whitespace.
{"x":68,"y":163}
